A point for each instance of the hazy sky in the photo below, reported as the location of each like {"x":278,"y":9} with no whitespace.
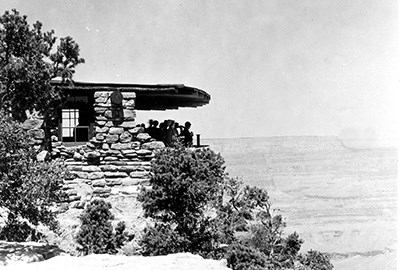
{"x":272,"y":67}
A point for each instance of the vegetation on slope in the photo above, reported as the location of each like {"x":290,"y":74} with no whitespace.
{"x":198,"y":209}
{"x":96,"y":234}
{"x":28,"y":188}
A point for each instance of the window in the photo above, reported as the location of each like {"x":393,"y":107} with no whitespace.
{"x":73,"y":128}
{"x":69,"y":122}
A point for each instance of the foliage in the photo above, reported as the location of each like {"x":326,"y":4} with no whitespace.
{"x":27,"y":188}
{"x":198,"y":209}
{"x":162,"y":239}
{"x":241,"y":257}
{"x":28,"y":62}
{"x":20,"y":231}
{"x":315,"y":260}
{"x":184,"y":185}
{"x":96,"y":233}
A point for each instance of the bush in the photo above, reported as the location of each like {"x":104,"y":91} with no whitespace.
{"x":241,"y":257}
{"x":185,"y":183}
{"x":315,"y":260}
{"x":197,"y":209}
{"x":96,"y":234}
{"x":160,"y":240}
{"x":27,"y":188}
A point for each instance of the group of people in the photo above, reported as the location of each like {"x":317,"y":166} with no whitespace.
{"x":170,"y":132}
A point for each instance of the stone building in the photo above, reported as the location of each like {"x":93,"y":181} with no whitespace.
{"x":92,"y":108}
{"x":103,"y":150}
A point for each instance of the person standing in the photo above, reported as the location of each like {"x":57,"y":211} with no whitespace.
{"x":187,"y":135}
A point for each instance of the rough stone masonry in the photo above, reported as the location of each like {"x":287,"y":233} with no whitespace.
{"x":116,"y":161}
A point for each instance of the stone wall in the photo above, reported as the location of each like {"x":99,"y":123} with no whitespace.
{"x":116,"y":161}
{"x":34,"y":129}
{"x":97,"y":173}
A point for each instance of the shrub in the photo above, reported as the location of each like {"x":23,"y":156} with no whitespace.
{"x":315,"y":260}
{"x":96,"y":234}
{"x":160,"y":240}
{"x":185,"y":183}
{"x":197,"y":209}
{"x":241,"y":257}
{"x":27,"y":188}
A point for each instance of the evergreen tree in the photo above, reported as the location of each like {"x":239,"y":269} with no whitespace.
{"x":28,"y":62}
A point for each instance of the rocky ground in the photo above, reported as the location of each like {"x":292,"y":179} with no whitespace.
{"x":180,"y":261}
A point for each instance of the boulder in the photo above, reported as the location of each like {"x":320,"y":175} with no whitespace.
{"x":100,"y":110}
{"x":144,"y":152}
{"x":43,"y":156}
{"x":110,"y":159}
{"x":114,"y":182}
{"x":80,"y":174}
{"x":139,"y":174}
{"x":129,"y":114}
{"x":72,"y":198}
{"x":102,"y":129}
{"x":96,"y":175}
{"x":84,"y":190}
{"x":101,"y":99}
{"x":37,"y":133}
{"x":136,"y":145}
{"x":92,"y":155}
{"x":112,"y":138}
{"x":116,"y":130}
{"x":113,"y":152}
{"x":153,"y":145}
{"x":143,"y":137}
{"x":125,"y":137}
{"x":91,"y":168}
{"x":17,"y":255}
{"x":108,"y":168}
{"x":105,"y":146}
{"x":109,"y":124}
{"x":100,"y":136}
{"x":77,"y":156}
{"x":128,"y":95}
{"x":90,"y":145}
{"x":128,"y":152}
{"x":95,"y":141}
{"x":100,"y":118}
{"x":70,"y":192}
{"x":121,"y":146}
{"x":100,"y":190}
{"x":32,"y":124}
{"x":74,"y":168}
{"x":128,"y":124}
{"x":99,"y":183}
{"x":129,"y":103}
{"x":101,"y":94}
{"x":132,"y":181}
{"x":54,"y":138}
{"x":136,"y":130}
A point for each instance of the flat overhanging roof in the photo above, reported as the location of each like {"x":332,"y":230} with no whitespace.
{"x":148,"y":97}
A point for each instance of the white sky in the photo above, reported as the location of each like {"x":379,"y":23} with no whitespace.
{"x":271,"y":67}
